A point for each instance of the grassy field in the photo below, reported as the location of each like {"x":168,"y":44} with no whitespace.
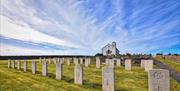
{"x":172,"y":64}
{"x":14,"y":80}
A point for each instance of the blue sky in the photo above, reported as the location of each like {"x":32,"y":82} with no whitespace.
{"x":83,"y":27}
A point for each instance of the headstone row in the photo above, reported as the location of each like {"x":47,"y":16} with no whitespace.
{"x":158,"y":79}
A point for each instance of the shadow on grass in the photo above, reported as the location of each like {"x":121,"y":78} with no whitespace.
{"x":68,"y":79}
{"x":87,"y":84}
{"x":51,"y":75}
{"x":122,"y":90}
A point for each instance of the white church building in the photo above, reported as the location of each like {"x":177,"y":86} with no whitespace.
{"x":110,"y":49}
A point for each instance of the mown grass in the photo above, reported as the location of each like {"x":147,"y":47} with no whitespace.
{"x":14,"y":80}
{"x":172,"y":64}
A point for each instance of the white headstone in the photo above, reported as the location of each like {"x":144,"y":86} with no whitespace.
{"x":108,"y":79}
{"x":9,"y":63}
{"x":59,"y":71}
{"x":128,"y":64}
{"x":81,"y":60}
{"x":78,"y":74}
{"x":142,"y":63}
{"x":148,"y":65}
{"x":68,"y":61}
{"x":158,"y":80}
{"x":75,"y":61}
{"x":44,"y":68}
{"x":98,"y":62}
{"x":19,"y":64}
{"x":13,"y":64}
{"x":118,"y":62}
{"x":25,"y":66}
{"x":33,"y":67}
{"x":107,"y":61}
{"x":111,"y":63}
{"x":86,"y":62}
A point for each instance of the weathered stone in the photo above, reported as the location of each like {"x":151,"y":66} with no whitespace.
{"x":78,"y":74}
{"x":118,"y":62}
{"x":107,"y":62}
{"x":19,"y":64}
{"x":25,"y":66}
{"x":75,"y":61}
{"x":58,"y":60}
{"x":55,"y":60}
{"x":98,"y":62}
{"x":81,"y":60}
{"x":59,"y":71}
{"x":86,"y":62}
{"x":13,"y":65}
{"x":148,"y":65}
{"x":33,"y":67}
{"x":68,"y":61}
{"x":108,"y":78}
{"x":111,"y":63}
{"x":9,"y":63}
{"x":44,"y":68}
{"x":128,"y":64}
{"x":142,"y":63}
{"x":62,"y":60}
{"x":158,"y":80}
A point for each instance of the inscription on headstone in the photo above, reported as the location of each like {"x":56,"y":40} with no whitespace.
{"x":25,"y":66}
{"x":59,"y":71}
{"x":148,"y":65}
{"x":19,"y":64}
{"x":111,"y":63}
{"x":13,"y":64}
{"x":33,"y":67}
{"x":86,"y":62}
{"x":81,"y":60}
{"x":118,"y":62}
{"x":68,"y":61}
{"x":98,"y":62}
{"x":128,"y":64}
{"x":9,"y":63}
{"x":107,"y":62}
{"x":75,"y":61}
{"x":158,"y":80}
{"x":108,"y":79}
{"x":78,"y":74}
{"x":142,"y":63}
{"x":44,"y":68}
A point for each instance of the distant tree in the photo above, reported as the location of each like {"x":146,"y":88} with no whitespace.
{"x":128,"y":54}
{"x":150,"y":55}
{"x":159,"y":54}
{"x":99,"y":54}
{"x":169,"y":54}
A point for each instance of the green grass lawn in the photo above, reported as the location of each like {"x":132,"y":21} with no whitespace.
{"x":172,"y":64}
{"x":12,"y":79}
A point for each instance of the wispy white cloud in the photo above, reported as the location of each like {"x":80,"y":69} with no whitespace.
{"x":15,"y":50}
{"x":14,"y":31}
{"x":87,"y":26}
